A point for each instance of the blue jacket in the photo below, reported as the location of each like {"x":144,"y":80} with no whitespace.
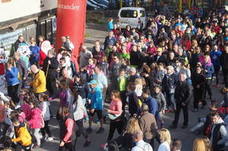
{"x":209,"y":70}
{"x":215,"y":57}
{"x":35,"y":54}
{"x":152,"y":104}
{"x":110,"y":26}
{"x":95,"y":95}
{"x":12,"y":76}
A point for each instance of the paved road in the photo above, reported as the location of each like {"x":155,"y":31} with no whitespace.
{"x":97,"y":32}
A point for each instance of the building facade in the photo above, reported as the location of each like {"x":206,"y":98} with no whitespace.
{"x":29,"y":18}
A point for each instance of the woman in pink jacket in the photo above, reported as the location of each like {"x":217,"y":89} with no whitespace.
{"x":66,"y":131}
{"x":115,"y":114}
{"x":36,"y":121}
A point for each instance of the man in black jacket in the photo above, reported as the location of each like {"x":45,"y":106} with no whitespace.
{"x":50,"y":68}
{"x":182,"y":96}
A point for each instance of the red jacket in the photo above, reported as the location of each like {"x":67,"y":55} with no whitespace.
{"x":2,"y":69}
{"x":42,"y":58}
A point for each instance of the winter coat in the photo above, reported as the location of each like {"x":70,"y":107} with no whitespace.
{"x":43,"y":56}
{"x":152,"y":104}
{"x":51,"y":69}
{"x":36,"y":120}
{"x":22,"y":136}
{"x":209,"y":70}
{"x":109,"y":41}
{"x":44,"y":106}
{"x":169,"y":83}
{"x":148,"y":125}
{"x":136,"y":58}
{"x":198,"y":79}
{"x":182,"y":93}
{"x":35,"y":54}
{"x":215,"y":57}
{"x":95,"y":95}
{"x":66,"y":98}
{"x":27,"y":110}
{"x":160,"y":98}
{"x":2,"y":66}
{"x":78,"y":109}
{"x":110,"y":26}
{"x":12,"y":76}
{"x":39,"y":82}
{"x":133,"y":103}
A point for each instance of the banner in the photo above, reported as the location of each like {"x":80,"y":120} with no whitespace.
{"x":71,"y":21}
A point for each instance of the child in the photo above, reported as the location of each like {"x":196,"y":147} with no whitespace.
{"x":35,"y":52}
{"x":23,"y":139}
{"x":110,"y":24}
{"x":104,"y":65}
{"x":36,"y":121}
{"x":66,"y":98}
{"x":44,"y":106}
{"x":66,"y":132}
{"x":25,"y":107}
{"x":90,"y":67}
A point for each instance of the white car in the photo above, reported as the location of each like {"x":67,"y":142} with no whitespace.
{"x":133,"y":16}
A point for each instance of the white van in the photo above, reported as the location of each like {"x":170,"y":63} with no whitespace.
{"x":133,"y":16}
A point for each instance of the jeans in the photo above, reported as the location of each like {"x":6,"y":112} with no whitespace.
{"x":208,"y":89}
{"x":170,"y":101}
{"x":37,"y":136}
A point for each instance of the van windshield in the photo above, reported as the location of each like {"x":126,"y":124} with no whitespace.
{"x":129,"y":14}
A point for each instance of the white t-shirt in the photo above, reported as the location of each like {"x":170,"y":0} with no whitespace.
{"x":142,"y":146}
{"x":164,"y":147}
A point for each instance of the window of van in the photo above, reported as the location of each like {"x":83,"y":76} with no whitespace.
{"x":129,"y":14}
{"x":142,"y":13}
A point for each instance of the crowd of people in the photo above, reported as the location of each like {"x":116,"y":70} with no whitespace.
{"x":141,"y":74}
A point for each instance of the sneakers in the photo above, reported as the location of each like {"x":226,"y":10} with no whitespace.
{"x":87,"y":143}
{"x":50,"y":138}
{"x":101,"y":130}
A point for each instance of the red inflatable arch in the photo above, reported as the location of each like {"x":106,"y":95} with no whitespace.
{"x":71,"y":21}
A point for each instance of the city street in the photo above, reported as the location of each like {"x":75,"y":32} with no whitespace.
{"x":97,"y":32}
